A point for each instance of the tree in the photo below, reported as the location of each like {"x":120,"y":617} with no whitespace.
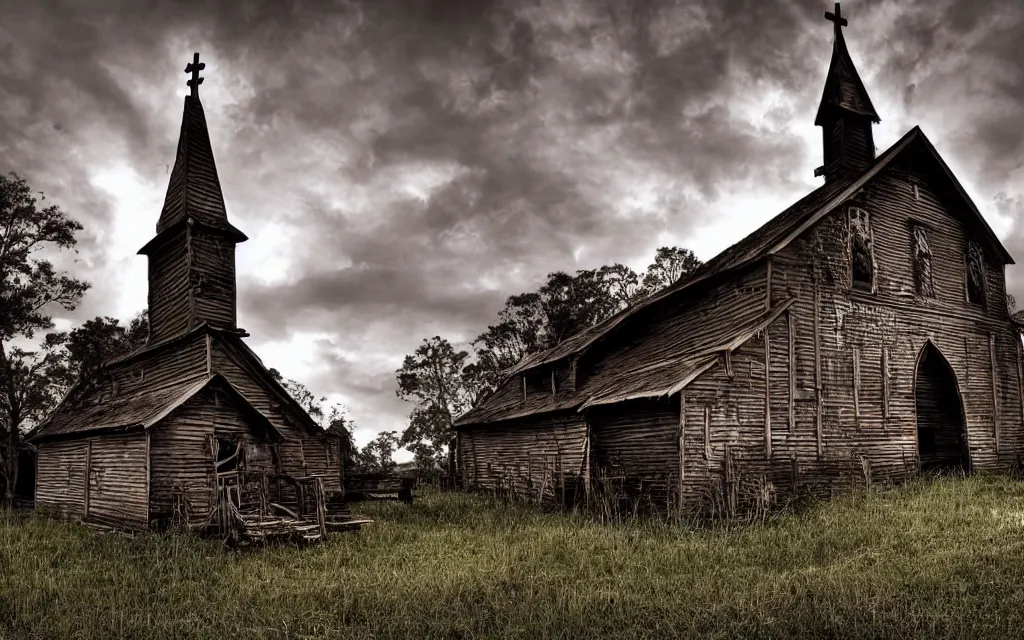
{"x":30,"y":287}
{"x":93,"y":343}
{"x":432,"y":377}
{"x":376,"y":456}
{"x":334,"y":421}
{"x":670,"y":264}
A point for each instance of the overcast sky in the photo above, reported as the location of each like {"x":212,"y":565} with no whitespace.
{"x":401,"y":167}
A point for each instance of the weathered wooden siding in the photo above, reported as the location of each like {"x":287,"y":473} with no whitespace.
{"x":867,"y":344}
{"x":528,"y":457}
{"x":60,"y":477}
{"x":681,"y":326}
{"x":165,"y":368}
{"x":118,"y":487}
{"x":169,"y":288}
{"x":213,"y":278}
{"x":300,"y":454}
{"x":182,"y":453}
{"x":635,"y":450}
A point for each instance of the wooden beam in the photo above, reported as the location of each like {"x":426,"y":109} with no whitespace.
{"x":856,"y":382}
{"x":767,"y":393}
{"x":817,"y":358}
{"x":707,"y":432}
{"x":209,"y":356}
{"x":728,"y":365}
{"x":791,"y":335}
{"x":1020,"y":373}
{"x":682,"y":449}
{"x":586,"y":464}
{"x":524,"y":388}
{"x":572,"y":374}
{"x":995,"y":388}
{"x":552,"y":380}
{"x":88,"y":476}
{"x":768,"y":288}
{"x":885,"y":381}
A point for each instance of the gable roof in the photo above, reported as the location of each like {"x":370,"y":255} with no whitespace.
{"x":633,"y":379}
{"x":143,"y":408}
{"x":768,"y":240}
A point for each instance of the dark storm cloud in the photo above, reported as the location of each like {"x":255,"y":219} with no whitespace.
{"x":414,"y":163}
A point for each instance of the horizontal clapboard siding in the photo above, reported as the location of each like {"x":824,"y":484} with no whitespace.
{"x":60,"y":477}
{"x":118,"y":491}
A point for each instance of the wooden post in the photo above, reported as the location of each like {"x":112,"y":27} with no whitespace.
{"x":817,"y":360}
{"x":728,"y":364}
{"x":88,"y":477}
{"x":682,"y":449}
{"x":586,"y":464}
{"x":707,"y":432}
{"x":995,"y":388}
{"x":552,"y":380}
{"x":1020,"y":374}
{"x":856,"y":382}
{"x":209,"y":357}
{"x":524,"y":387}
{"x":885,"y":381}
{"x":791,"y":335}
{"x":767,"y":392}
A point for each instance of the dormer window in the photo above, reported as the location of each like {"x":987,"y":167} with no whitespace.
{"x":862,"y":261}
{"x":975,"y":274}
{"x":922,"y":261}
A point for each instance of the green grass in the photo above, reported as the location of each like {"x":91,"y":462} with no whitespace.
{"x":940,"y":558}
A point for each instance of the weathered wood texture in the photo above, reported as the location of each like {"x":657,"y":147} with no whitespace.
{"x":301,"y":453}
{"x":182,"y":454}
{"x":118,"y":492}
{"x":169,"y":307}
{"x":61,"y":477}
{"x":539,"y":459}
{"x":212,"y":278}
{"x":635,"y":451}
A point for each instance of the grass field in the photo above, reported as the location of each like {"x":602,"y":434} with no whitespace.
{"x":941,"y":558}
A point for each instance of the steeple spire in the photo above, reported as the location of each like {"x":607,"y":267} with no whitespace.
{"x":192,"y":257}
{"x":845,"y":112}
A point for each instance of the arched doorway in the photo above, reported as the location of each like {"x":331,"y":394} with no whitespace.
{"x":941,"y":437}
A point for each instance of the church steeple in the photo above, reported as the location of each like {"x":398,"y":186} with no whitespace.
{"x":845,"y":113}
{"x":192,"y":257}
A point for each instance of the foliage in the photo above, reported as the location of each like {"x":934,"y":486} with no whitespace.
{"x":93,"y":343}
{"x":432,"y":378}
{"x":30,"y":288}
{"x":334,"y":419}
{"x":935,"y":559}
{"x":670,"y":264}
{"x":376,"y":456}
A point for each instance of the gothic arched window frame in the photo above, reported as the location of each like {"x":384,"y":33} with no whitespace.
{"x":921,"y":261}
{"x":861,"y":247}
{"x":975,"y":288}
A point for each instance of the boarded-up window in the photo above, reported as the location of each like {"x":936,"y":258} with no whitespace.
{"x":922,"y":263}
{"x":975,"y":274}
{"x":861,"y":254}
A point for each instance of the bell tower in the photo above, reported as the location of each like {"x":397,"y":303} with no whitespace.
{"x":192,"y":256}
{"x":845,"y":113}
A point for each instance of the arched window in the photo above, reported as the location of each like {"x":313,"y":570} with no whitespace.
{"x":862,"y":262}
{"x":975,"y":274}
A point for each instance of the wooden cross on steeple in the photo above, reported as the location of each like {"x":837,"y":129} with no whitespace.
{"x":195,"y":67}
{"x":836,"y":17}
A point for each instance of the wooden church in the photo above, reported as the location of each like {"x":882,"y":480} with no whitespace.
{"x":861,"y":335}
{"x":192,"y":428}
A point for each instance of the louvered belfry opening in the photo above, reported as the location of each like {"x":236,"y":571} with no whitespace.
{"x":940,"y":419}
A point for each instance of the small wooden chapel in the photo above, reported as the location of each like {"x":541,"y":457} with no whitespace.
{"x":190,"y":429}
{"x":860,"y":335}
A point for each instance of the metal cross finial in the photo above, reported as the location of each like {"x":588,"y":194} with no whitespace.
{"x":836,"y":17}
{"x":194,"y":68}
